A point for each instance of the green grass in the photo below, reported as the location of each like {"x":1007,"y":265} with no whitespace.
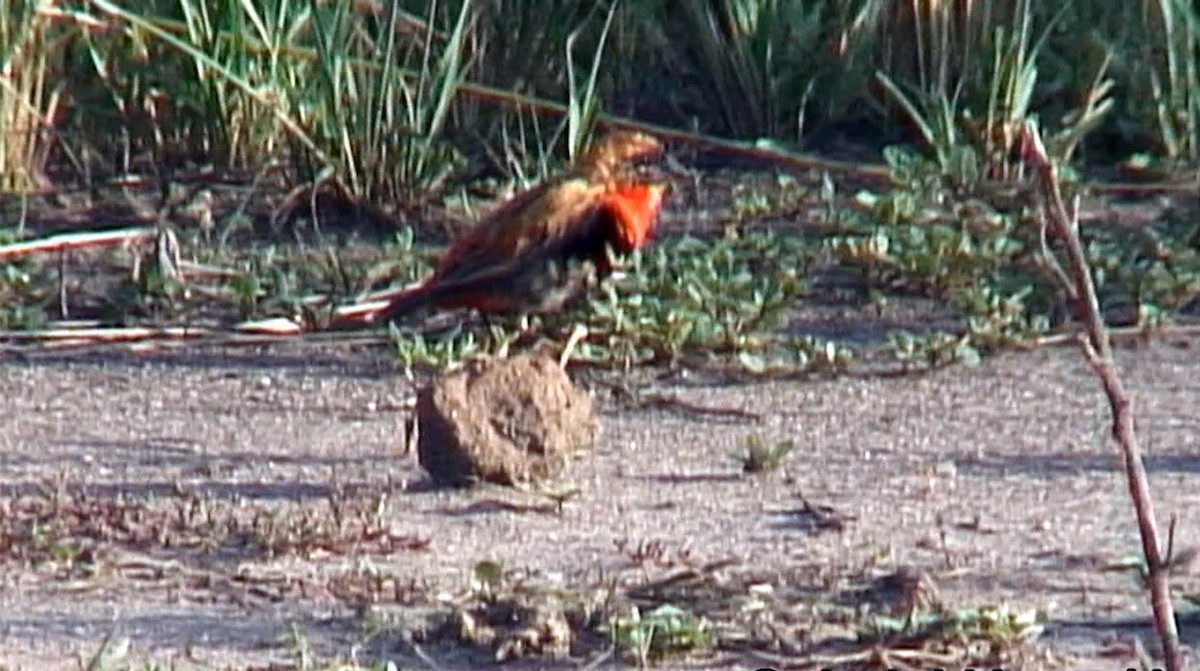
{"x":29,"y":94}
{"x":384,"y":105}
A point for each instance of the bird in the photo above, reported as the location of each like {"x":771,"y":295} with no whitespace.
{"x":546,"y":245}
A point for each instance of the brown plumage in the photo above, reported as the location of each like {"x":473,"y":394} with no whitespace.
{"x":547,"y":244}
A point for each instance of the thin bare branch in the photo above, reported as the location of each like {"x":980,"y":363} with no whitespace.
{"x":1063,"y":223}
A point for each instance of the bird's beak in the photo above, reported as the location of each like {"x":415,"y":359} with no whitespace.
{"x":665,"y":169}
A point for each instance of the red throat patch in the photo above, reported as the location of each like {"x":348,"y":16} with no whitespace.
{"x":636,"y":208}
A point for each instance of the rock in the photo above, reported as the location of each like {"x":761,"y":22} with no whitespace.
{"x":506,"y":421}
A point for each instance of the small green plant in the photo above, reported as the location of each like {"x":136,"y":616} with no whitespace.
{"x":439,"y":352}
{"x":760,"y":457}
{"x":724,"y":296}
{"x":24,"y":290}
{"x":559,"y":493}
{"x":994,"y":630}
{"x":664,"y":631}
{"x":487,"y":577}
{"x":934,"y":350}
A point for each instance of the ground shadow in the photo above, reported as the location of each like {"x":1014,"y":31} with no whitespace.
{"x":1056,"y":465}
{"x":187,"y":455}
{"x":370,"y":362}
{"x":248,"y":630}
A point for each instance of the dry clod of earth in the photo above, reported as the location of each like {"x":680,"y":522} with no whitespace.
{"x":509,"y":421}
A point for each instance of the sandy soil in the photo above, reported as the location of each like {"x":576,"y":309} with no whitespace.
{"x":998,"y":481}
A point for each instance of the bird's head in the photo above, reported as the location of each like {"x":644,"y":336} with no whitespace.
{"x":619,"y":148}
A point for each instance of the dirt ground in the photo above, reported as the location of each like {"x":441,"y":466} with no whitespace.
{"x":999,"y":482}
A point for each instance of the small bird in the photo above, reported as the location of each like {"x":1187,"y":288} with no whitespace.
{"x":548,"y":244}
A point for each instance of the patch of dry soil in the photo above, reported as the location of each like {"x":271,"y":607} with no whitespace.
{"x":1000,"y":481}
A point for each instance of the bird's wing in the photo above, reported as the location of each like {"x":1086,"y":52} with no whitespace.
{"x":529,"y":223}
{"x":561,"y":222}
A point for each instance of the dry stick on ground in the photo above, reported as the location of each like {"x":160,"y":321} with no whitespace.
{"x":1061,"y":222}
{"x":62,"y":242}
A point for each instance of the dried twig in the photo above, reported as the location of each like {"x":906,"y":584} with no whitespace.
{"x":86,"y":336}
{"x":67,"y":241}
{"x":1062,"y":223}
{"x":99,"y":334}
{"x":1125,"y":333}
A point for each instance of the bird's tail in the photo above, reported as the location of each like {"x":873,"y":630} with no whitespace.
{"x":405,"y":303}
{"x":384,"y":307}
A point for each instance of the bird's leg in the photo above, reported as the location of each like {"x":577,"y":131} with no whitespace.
{"x":499,"y":334}
{"x":495,"y":335}
{"x":578,"y":333}
{"x":523,"y":329}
